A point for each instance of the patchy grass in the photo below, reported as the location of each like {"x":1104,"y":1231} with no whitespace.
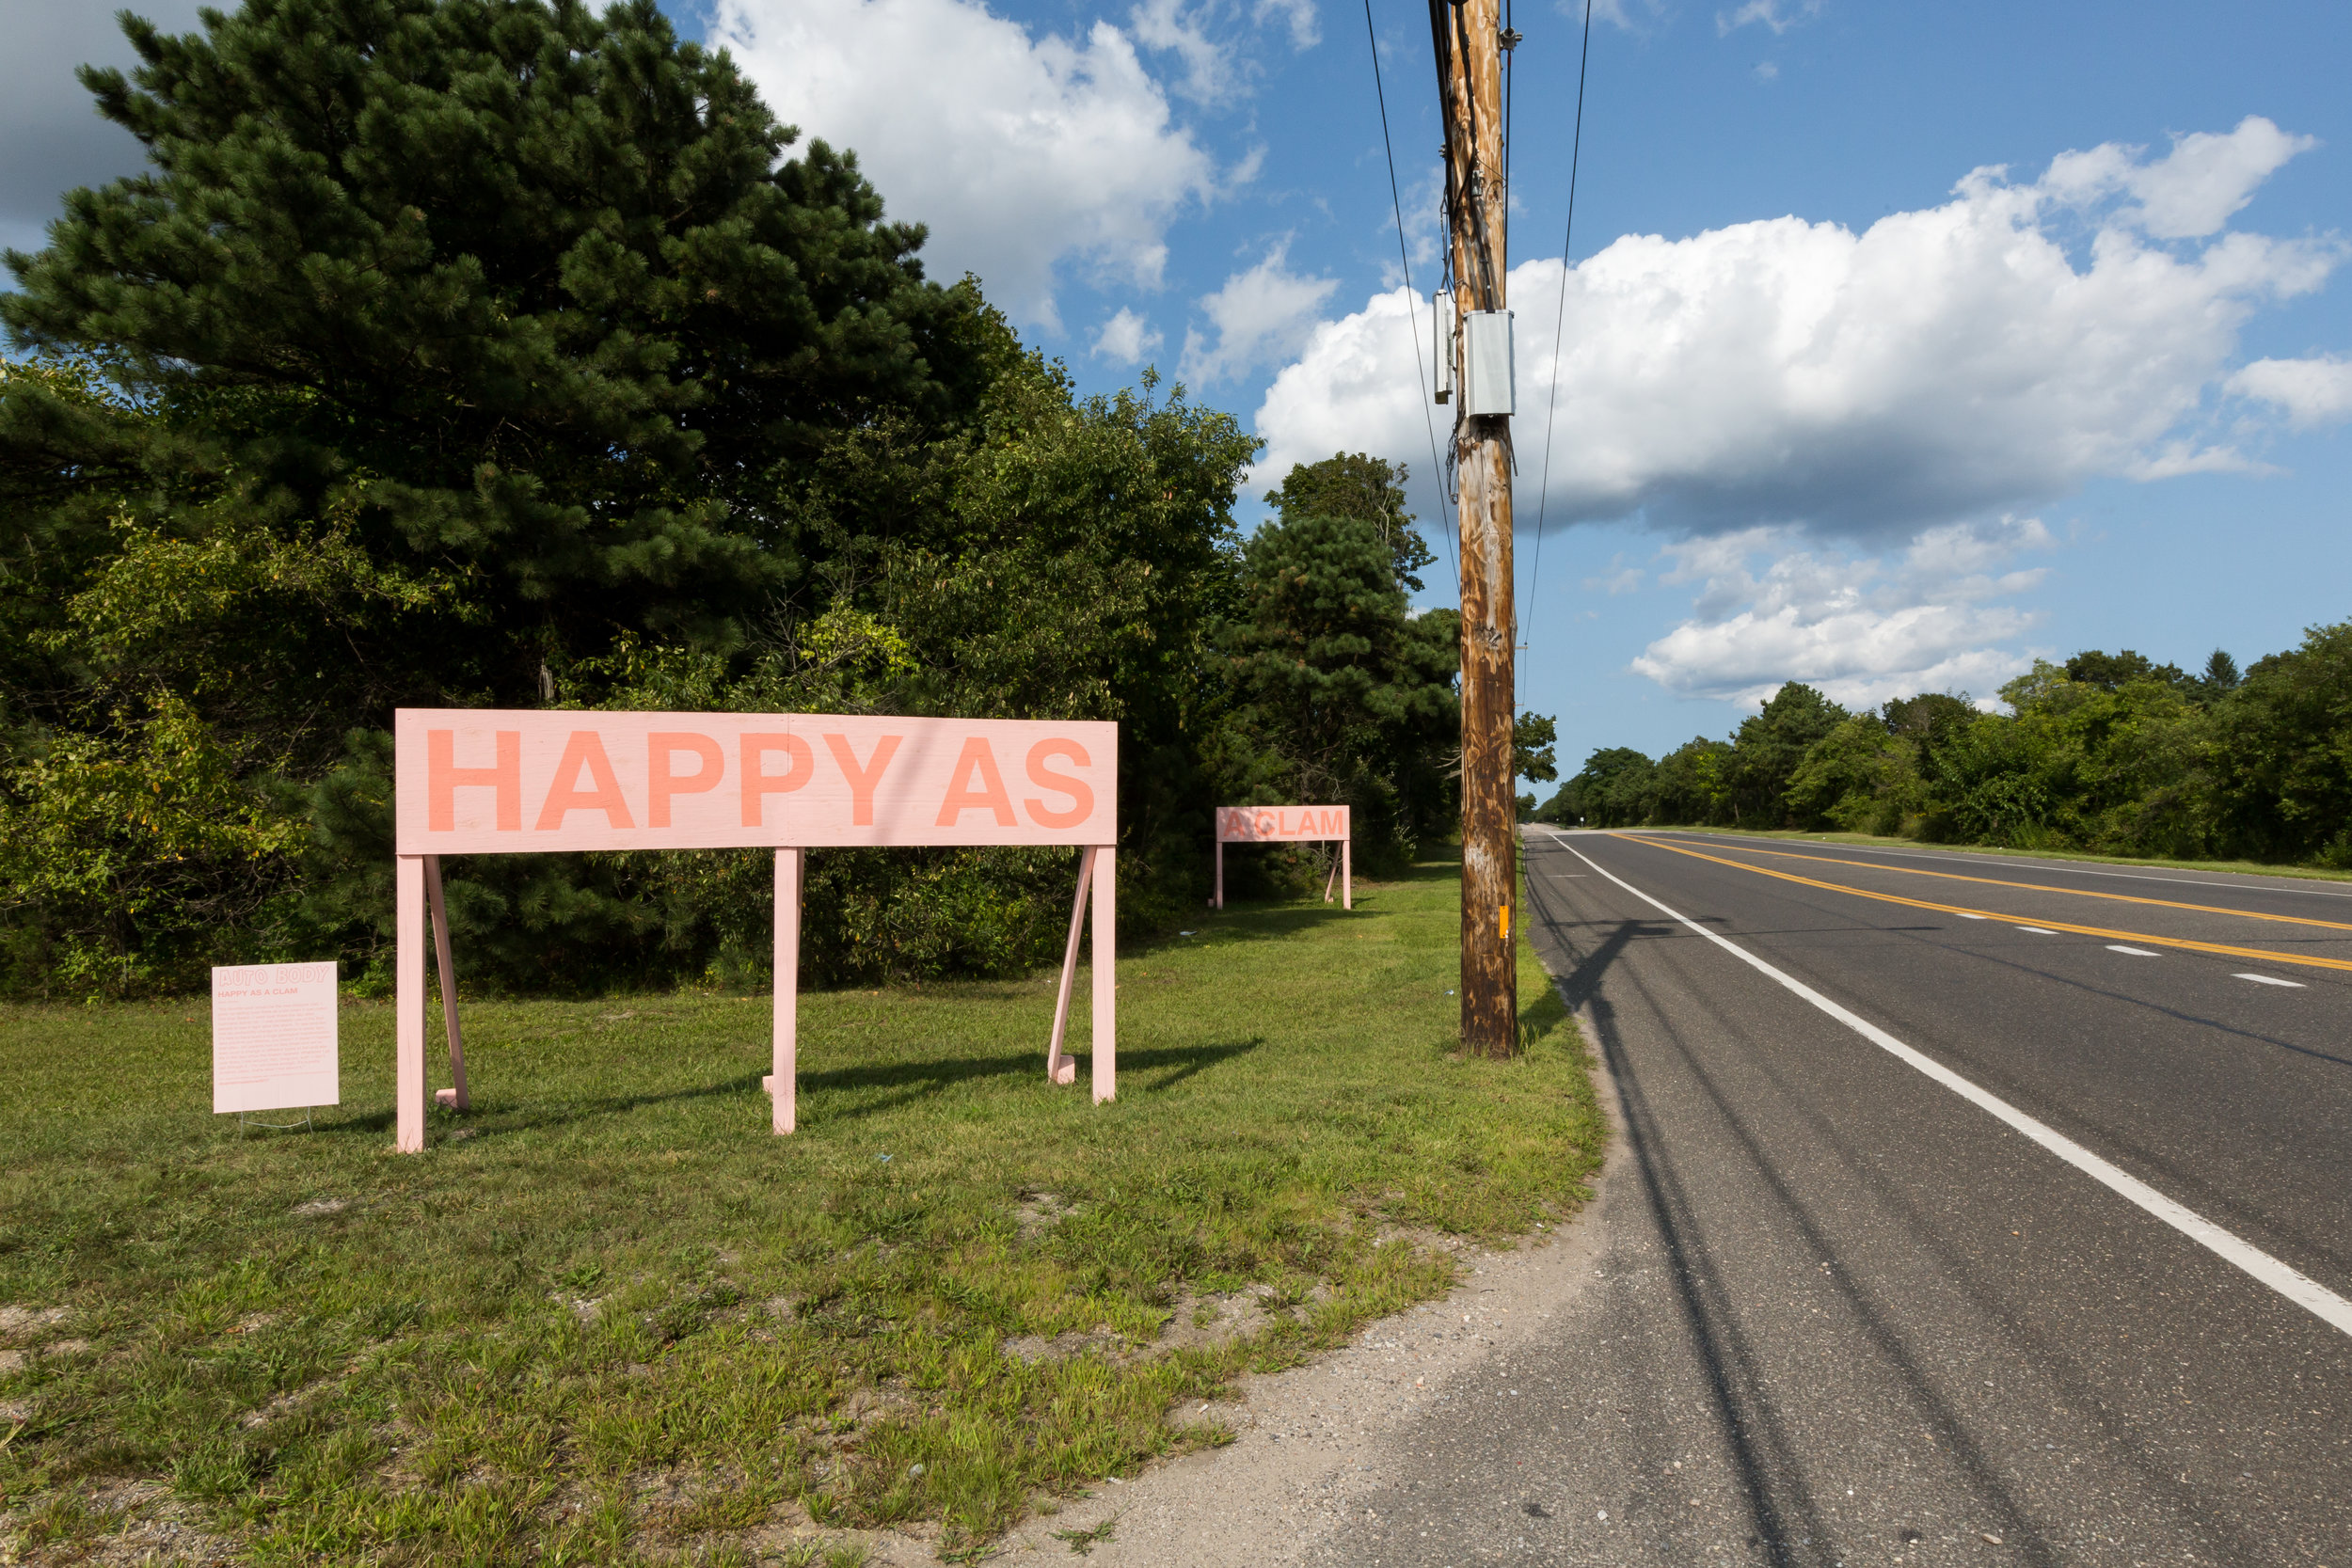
{"x":609,"y":1318}
{"x":2251,"y":868}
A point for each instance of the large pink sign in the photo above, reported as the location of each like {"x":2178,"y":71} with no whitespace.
{"x":475,"y":781}
{"x":1287,"y":824}
{"x":513,"y":782}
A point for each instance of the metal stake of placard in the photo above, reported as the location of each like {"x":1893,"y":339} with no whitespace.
{"x":245,"y":1121}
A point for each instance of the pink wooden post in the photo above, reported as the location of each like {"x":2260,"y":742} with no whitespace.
{"x":783,"y":1080}
{"x":1219,"y":899}
{"x":1105,"y":974}
{"x":1060,"y":1067}
{"x":455,"y":1093}
{"x":408,"y":1004}
{"x":1347,"y":874}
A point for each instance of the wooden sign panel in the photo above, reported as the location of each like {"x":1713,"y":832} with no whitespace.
{"x":475,"y":781}
{"x":274,"y":1038}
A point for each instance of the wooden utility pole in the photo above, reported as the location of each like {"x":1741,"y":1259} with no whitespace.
{"x":1469,"y":50}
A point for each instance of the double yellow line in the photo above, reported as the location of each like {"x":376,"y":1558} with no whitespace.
{"x":2222,"y":949}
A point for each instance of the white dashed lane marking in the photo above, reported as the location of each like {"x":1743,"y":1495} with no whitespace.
{"x":2269,"y":980}
{"x":2037,"y":931}
{"x":2135,"y":952}
{"x":2282,"y":1277}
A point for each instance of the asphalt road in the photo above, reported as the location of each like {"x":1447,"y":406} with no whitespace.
{"x":1845,"y":1314}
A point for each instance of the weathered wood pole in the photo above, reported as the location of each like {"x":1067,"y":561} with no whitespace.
{"x":1478,"y":208}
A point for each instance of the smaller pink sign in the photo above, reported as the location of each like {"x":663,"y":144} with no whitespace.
{"x":273,"y":1042}
{"x":1279,"y":824}
{"x":1287,"y":824}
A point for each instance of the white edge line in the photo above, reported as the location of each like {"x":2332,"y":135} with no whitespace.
{"x":2289,"y":1282}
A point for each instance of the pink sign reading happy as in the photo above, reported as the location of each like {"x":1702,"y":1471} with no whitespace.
{"x":506,"y":782}
{"x":483,"y":781}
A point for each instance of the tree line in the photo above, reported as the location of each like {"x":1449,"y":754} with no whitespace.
{"x":2107,"y":752}
{"x":492,"y":353}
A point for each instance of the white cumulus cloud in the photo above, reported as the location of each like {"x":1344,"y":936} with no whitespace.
{"x":1771,"y":609}
{"x":1306,"y":29}
{"x":1022,"y":153}
{"x":1774,"y":14}
{"x":1942,"y":364}
{"x":1126,"y":338}
{"x":1260,"y":316}
{"x":2312,"y":391}
{"x":2190,"y":192}
{"x":1211,"y":39}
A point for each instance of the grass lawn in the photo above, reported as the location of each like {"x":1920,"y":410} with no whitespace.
{"x":609,"y":1318}
{"x":2251,"y":868}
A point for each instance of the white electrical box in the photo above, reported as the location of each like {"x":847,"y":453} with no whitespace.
{"x":1486,"y":368}
{"x":1441,"y":344}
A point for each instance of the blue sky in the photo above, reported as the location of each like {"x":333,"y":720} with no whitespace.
{"x":1916,"y":436}
{"x":1830,"y":406}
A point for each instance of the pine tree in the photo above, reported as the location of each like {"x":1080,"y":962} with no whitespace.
{"x":520,"y":293}
{"x":442,"y":346}
{"x":1343,"y":694}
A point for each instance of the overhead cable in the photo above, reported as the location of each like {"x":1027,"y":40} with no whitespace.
{"x":1436,"y":470}
{"x":1551,"y":400}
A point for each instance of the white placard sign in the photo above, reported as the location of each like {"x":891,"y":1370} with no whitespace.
{"x":274,"y":1036}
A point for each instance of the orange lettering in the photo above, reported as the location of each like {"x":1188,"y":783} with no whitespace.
{"x":584,"y":748}
{"x":863,"y":780}
{"x":444,"y":778}
{"x":990,"y":795}
{"x":799,"y":768}
{"x":1081,"y":794}
{"x":661,"y":783}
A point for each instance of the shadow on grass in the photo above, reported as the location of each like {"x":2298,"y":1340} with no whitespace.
{"x":1273,"y":921}
{"x":910,"y":1079}
{"x":1253,"y":920}
{"x":1546,"y":1014}
{"x":921,"y":1076}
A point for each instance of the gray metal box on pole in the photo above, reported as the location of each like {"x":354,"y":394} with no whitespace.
{"x":1441,"y":344}
{"x":1486,"y":367}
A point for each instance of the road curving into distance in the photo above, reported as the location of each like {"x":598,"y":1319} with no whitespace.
{"x":1972,"y":1210}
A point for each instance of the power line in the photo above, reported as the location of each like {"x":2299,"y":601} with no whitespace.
{"x":1412,"y":319}
{"x":1560,"y":321}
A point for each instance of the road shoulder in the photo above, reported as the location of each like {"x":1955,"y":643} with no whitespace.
{"x":1313,"y":1442}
